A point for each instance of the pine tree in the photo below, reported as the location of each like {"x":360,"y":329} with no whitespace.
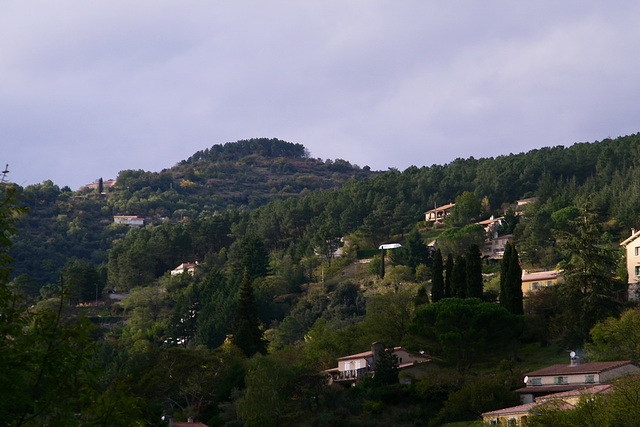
{"x":386,"y":368}
{"x":421,"y":297}
{"x":447,"y":278}
{"x":474,"y":272}
{"x":437,"y":277}
{"x":247,"y":334}
{"x":255,"y":257}
{"x":416,"y":251}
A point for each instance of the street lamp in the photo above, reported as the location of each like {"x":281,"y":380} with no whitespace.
{"x":382,"y":249}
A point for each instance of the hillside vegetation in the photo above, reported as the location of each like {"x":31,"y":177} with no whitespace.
{"x":264,"y":222}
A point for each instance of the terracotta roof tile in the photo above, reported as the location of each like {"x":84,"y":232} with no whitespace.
{"x":582,"y":368}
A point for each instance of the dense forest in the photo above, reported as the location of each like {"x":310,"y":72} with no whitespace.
{"x":288,"y":276}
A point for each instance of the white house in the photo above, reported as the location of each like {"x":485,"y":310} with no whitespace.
{"x":185,"y":267}
{"x":130,"y":220}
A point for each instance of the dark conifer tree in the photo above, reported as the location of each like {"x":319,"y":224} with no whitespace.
{"x":474,"y":272}
{"x":415,"y":250}
{"x":422,"y":296}
{"x":255,"y":257}
{"x":515,"y":283}
{"x":437,"y":277}
{"x":386,"y":368}
{"x":459,"y":278}
{"x":447,"y":277}
{"x":247,"y":334}
{"x":511,"y":280}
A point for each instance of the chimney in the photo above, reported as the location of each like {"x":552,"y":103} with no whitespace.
{"x":190,"y":420}
{"x":575,"y":360}
{"x":376,"y":348}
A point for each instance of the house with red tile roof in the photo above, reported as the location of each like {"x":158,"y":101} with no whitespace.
{"x":538,"y":280}
{"x":130,"y":220}
{"x":438,"y":214}
{"x":576,"y":375}
{"x":354,"y":367}
{"x":189,"y":423}
{"x":518,"y":415}
{"x":185,"y":267}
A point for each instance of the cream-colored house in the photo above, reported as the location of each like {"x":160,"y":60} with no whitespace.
{"x":185,"y":267}
{"x":561,"y":386}
{"x":558,"y":378}
{"x":535,"y":281}
{"x":438,"y":214}
{"x":494,"y":247}
{"x":354,"y":367}
{"x":518,"y":415}
{"x":632,"y":248}
{"x":490,"y":225}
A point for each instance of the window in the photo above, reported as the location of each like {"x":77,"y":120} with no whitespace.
{"x":589,"y":379}
{"x":535,"y":286}
{"x":536,"y":381}
{"x":637,"y":249}
{"x":637,"y":270}
{"x":548,"y":282}
{"x":560,"y":380}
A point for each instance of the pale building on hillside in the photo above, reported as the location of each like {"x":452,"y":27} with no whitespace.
{"x":632,"y":250}
{"x":438,"y":214}
{"x":536,"y":281}
{"x":130,"y":220}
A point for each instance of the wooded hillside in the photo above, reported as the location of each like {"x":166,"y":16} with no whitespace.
{"x":286,"y":264}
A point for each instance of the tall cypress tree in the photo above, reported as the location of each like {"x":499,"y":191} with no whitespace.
{"x":511,"y":280}
{"x":247,"y":334}
{"x":474,"y":272}
{"x":447,"y":278}
{"x":515,"y":283}
{"x":459,"y":278}
{"x":437,"y":277}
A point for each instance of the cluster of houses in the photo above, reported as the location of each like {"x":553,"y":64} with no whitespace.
{"x":560,"y":387}
{"x":494,"y":245}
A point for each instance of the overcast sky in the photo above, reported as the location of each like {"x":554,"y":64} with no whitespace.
{"x":90,"y":88}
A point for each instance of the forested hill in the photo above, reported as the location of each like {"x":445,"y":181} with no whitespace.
{"x":63,"y":225}
{"x":264,"y":270}
{"x":243,"y":174}
{"x":234,"y":151}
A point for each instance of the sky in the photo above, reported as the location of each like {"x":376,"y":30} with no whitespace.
{"x":88,"y":89}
